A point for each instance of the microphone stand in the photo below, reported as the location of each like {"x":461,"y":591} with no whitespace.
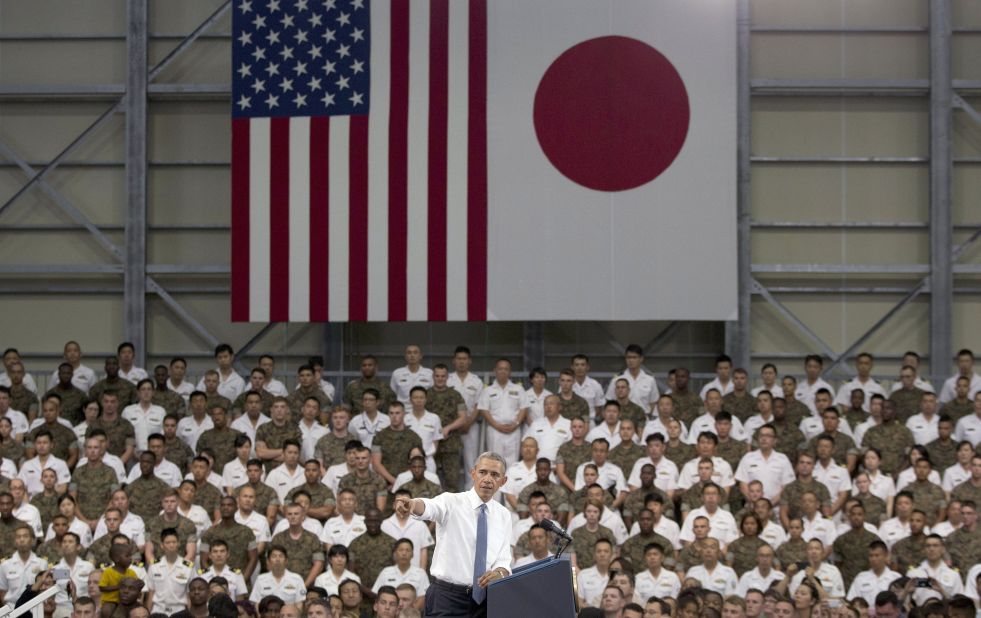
{"x":560,"y":547}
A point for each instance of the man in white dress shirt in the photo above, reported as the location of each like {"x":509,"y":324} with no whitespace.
{"x":466,"y":523}
{"x":273,"y":386}
{"x":864,"y":381}
{"x":500,"y":407}
{"x":585,"y":386}
{"x":413,"y":374}
{"x":812,"y":383}
{"x":469,"y":386}
{"x":643,"y":386}
{"x":723,"y":377}
{"x":877,"y":578}
{"x":126,"y":353}
{"x":11,"y":357}
{"x":82,"y":377}
{"x":230,"y":384}
{"x":176,"y":383}
{"x":965,"y":368}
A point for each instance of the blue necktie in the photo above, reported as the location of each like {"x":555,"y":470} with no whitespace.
{"x":480,"y":555}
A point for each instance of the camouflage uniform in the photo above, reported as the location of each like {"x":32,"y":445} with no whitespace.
{"x":633,"y":548}
{"x":690,"y":556}
{"x":301,"y":394}
{"x":240,"y":540}
{"x":370,"y":554}
{"x":792,"y":494}
{"x":843,"y":445}
{"x":576,"y":407}
{"x":957,"y":409}
{"x":217,"y":400}
{"x":943,"y":454}
{"x":145,"y":496}
{"x":50,"y":550}
{"x":367,"y":489}
{"x":301,"y":553}
{"x":634,"y":503}
{"x":741,"y":553}
{"x":422,"y":489}
{"x":875,"y":508}
{"x":124,"y":390}
{"x":732,"y":451}
{"x":98,"y":552}
{"x":93,"y":487}
{"x":927,"y":497}
{"x":222,"y":444}
{"x":64,"y":439}
{"x":632,"y":411}
{"x":274,"y":436}
{"x":556,"y":495}
{"x":894,"y":442}
{"x":394,"y":446}
{"x":964,"y":548}
{"x":852,"y":548}
{"x":789,"y":439}
{"x":170,"y":401}
{"x":583,"y":541}
{"x":355,"y":389}
{"x":22,"y":399}
{"x":177,"y":452}
{"x":907,"y":402}
{"x":320,"y":494}
{"x":691,"y":499}
{"x":330,"y":449}
{"x":72,"y":402}
{"x":793,"y":550}
{"x":578,"y":500}
{"x":573,"y":456}
{"x":120,"y":434}
{"x":264,"y":395}
{"x":7,"y":529}
{"x":909,"y":552}
{"x":186,"y":532}
{"x":625,"y":455}
{"x":855,"y":417}
{"x":447,"y":405}
{"x":966,"y":491}
{"x":264,"y":496}
{"x":742,"y":407}
{"x":687,"y":406}
{"x":679,"y":455}
{"x":12,"y":450}
{"x":47,"y":506}
{"x":207,"y":497}
{"x":796,"y":412}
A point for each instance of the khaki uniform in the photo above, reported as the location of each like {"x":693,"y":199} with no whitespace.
{"x":573,"y":455}
{"x":264,"y":395}
{"x":894,"y":442}
{"x":394,"y":447}
{"x":556,"y":495}
{"x":240,"y":540}
{"x":792,"y":494}
{"x":633,"y":548}
{"x":447,"y":405}
{"x":742,"y":407}
{"x":852,"y":548}
{"x":687,"y":407}
{"x":320,"y":494}
{"x":367,"y":489}
{"x":793,"y":550}
{"x":170,"y":401}
{"x":207,"y":497}
{"x":222,"y":444}
{"x":679,"y":454}
{"x":330,"y":449}
{"x":301,"y":394}
{"x":943,"y":454}
{"x":355,"y":389}
{"x":907,"y":402}
{"x":120,"y":434}
{"x":94,"y":487}
{"x":875,"y":508}
{"x":576,"y":407}
{"x":274,"y":435}
{"x":370,"y":554}
{"x":301,"y":553}
{"x":177,"y":452}
{"x":422,"y":489}
{"x":47,"y":506}
{"x":72,"y":401}
{"x":927,"y":497}
{"x":145,"y":496}
{"x":842,"y":448}
{"x":909,"y":552}
{"x":583,"y":541}
{"x":124,"y":390}
{"x":625,"y":455}
{"x":186,"y":532}
{"x":964,"y":548}
{"x":64,"y":439}
{"x":741,"y":553}
{"x":957,"y":409}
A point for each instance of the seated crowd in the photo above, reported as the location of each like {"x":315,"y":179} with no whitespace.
{"x":151,"y":495}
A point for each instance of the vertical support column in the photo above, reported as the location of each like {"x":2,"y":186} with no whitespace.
{"x":533,"y":347}
{"x":737,"y":331}
{"x":333,"y":353}
{"x":134,"y":276}
{"x":941,"y":163}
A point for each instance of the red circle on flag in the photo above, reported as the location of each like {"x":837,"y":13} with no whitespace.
{"x":611,"y":113}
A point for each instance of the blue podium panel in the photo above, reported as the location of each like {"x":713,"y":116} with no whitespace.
{"x":541,"y":589}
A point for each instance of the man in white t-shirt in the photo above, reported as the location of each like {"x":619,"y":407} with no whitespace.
{"x":412,"y":374}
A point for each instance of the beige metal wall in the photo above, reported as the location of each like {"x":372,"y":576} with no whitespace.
{"x":188,"y":186}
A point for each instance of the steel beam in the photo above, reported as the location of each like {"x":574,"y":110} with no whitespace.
{"x":333,"y":352}
{"x":737,"y":333}
{"x":832,"y":159}
{"x":941,"y":233}
{"x":134,"y":272}
{"x":791,"y":317}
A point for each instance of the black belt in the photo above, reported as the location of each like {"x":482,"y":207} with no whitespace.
{"x":467,"y":590}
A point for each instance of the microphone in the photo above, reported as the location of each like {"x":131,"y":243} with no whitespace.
{"x":554,"y":528}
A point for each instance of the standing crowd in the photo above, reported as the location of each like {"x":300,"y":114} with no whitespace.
{"x":142,"y":494}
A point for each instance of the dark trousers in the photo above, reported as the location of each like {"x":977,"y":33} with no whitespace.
{"x":446,"y":600}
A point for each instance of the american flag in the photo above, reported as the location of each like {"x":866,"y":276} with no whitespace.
{"x":359,"y":165}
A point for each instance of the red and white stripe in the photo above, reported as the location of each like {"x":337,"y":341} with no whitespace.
{"x":379,"y":217}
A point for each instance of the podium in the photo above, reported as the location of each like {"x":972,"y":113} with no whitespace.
{"x":543,"y":589}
